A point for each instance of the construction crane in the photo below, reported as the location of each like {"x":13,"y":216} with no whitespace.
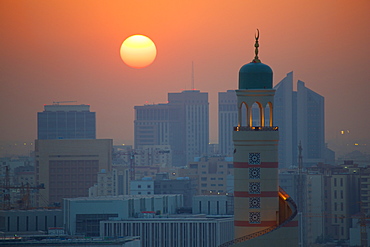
{"x":62,"y":102}
{"x":25,"y":191}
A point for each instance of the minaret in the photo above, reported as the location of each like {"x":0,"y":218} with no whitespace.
{"x":256,"y":199}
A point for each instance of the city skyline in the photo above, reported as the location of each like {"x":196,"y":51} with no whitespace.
{"x":70,"y":51}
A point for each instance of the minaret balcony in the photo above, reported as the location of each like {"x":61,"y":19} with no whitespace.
{"x":256,"y":128}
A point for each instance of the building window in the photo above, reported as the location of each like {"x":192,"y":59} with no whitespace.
{"x":139,"y":186}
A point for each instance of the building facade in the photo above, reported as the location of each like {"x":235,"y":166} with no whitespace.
{"x":211,"y":174}
{"x":182,"y":123}
{"x":68,"y":168}
{"x":82,"y":215}
{"x":172,"y":232}
{"x":66,"y":122}
{"x":300,"y":117}
{"x":227,"y":119}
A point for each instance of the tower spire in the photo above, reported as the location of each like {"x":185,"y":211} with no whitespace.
{"x":256,"y":45}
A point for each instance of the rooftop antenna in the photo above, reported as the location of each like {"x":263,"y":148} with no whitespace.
{"x":192,"y":75}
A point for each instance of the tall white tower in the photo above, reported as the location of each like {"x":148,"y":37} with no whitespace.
{"x":264,"y":215}
{"x":256,"y":151}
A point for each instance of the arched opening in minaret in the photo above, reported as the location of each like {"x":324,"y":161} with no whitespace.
{"x":243,"y":114}
{"x":269,"y":114}
{"x":257,"y":115}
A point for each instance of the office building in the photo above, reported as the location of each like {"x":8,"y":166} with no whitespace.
{"x":68,"y":168}
{"x":66,"y":122}
{"x":311,"y":125}
{"x":181,"y":185}
{"x":227,"y":119}
{"x":211,"y":174}
{"x":300,"y":117}
{"x":112,"y":183}
{"x":174,"y":231}
{"x":182,"y":123}
{"x":82,"y":215}
{"x":213,"y":205}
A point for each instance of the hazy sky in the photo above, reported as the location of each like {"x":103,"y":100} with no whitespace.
{"x":64,"y":50}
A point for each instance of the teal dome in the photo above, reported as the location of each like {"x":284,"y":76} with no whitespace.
{"x":255,"y":75}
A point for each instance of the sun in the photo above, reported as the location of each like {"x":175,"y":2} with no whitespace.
{"x":138,"y":51}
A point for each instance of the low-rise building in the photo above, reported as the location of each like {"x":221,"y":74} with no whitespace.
{"x":82,"y":215}
{"x":174,"y":231}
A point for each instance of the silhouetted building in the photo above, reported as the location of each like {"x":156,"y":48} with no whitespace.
{"x":227,"y":119}
{"x":181,"y":185}
{"x":300,"y":117}
{"x":66,"y":122}
{"x":182,"y":123}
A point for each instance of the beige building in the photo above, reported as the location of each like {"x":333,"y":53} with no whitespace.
{"x":112,"y":183}
{"x":210,"y":173}
{"x":68,"y":168}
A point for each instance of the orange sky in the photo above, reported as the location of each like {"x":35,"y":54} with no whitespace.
{"x":69,"y":50}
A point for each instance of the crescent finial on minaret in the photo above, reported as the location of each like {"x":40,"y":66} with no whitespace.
{"x":256,"y":59}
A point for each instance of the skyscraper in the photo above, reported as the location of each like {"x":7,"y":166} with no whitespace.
{"x":285,"y":116}
{"x":193,"y":109}
{"x":311,"y":125}
{"x":182,"y":123}
{"x":66,"y":122}
{"x":227,"y":119}
{"x":300,"y":117}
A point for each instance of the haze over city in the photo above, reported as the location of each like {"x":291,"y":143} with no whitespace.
{"x":69,"y":51}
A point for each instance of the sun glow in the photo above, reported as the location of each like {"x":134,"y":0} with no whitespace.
{"x":138,"y":51}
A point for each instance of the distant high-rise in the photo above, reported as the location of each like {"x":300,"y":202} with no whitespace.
{"x":286,"y":118}
{"x":227,"y":119}
{"x":194,"y":122}
{"x":66,"y":122}
{"x":300,"y":117}
{"x":182,"y":123}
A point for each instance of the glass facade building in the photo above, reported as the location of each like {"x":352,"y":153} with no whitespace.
{"x":66,"y":122}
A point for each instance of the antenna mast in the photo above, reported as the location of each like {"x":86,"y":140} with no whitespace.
{"x":192,"y":75}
